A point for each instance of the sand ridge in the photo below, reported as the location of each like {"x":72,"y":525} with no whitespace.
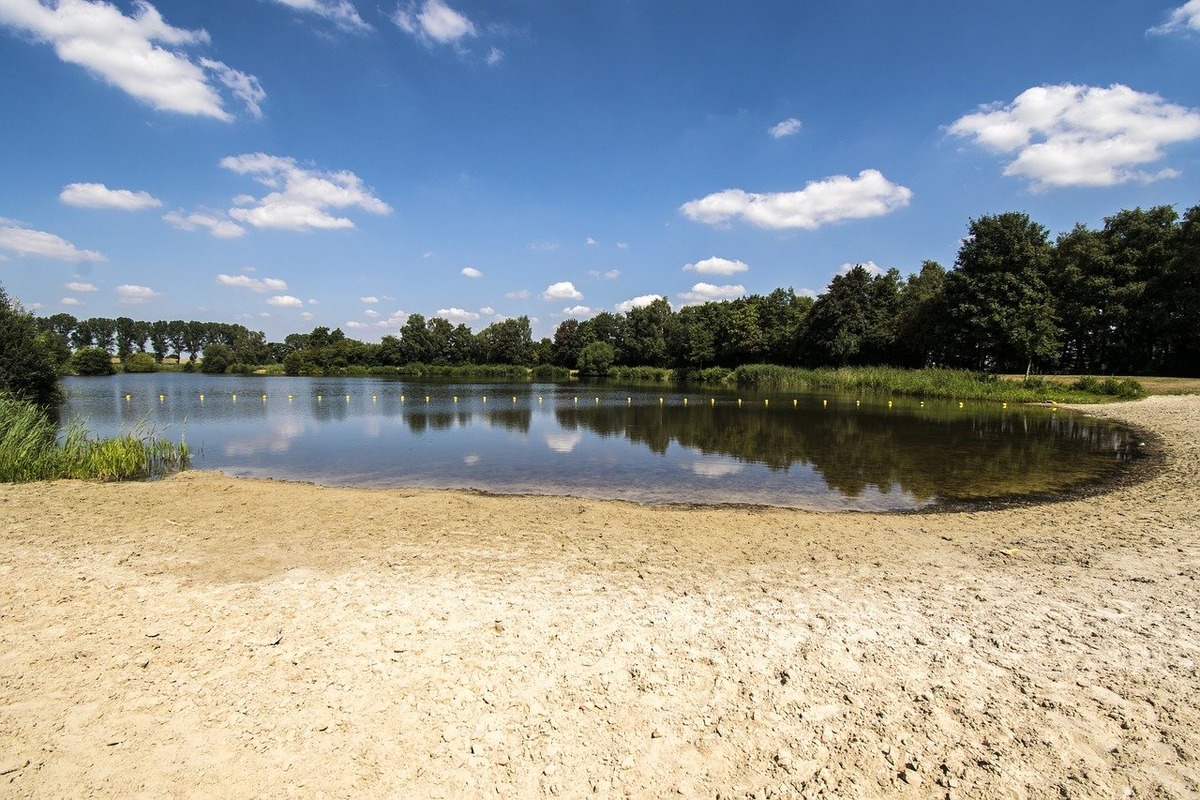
{"x":206,"y":635}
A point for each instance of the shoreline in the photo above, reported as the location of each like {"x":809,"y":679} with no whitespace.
{"x":253,"y":637}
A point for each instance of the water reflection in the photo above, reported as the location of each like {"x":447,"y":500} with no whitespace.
{"x":813,"y":451}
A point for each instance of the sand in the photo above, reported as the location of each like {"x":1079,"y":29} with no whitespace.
{"x":205,"y":636}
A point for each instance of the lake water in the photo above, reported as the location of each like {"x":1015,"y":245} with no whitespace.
{"x":819,"y":451}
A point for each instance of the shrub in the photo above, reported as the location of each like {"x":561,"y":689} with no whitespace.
{"x":27,"y":368}
{"x":93,"y":361}
{"x":140,"y":362}
{"x":217,"y":359}
{"x":550,"y":372}
{"x":596,"y":358}
{"x":241,"y":369}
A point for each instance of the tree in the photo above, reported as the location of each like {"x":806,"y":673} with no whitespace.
{"x":999,"y":311}
{"x":139,"y":362}
{"x":26,"y":368}
{"x":414,"y":340}
{"x":565,"y":352}
{"x":918,"y":314}
{"x":645,"y":341}
{"x":217,"y":358}
{"x":852,"y":322}
{"x":1179,"y":286}
{"x":93,"y":361}
{"x":1140,"y":245}
{"x":596,"y":358}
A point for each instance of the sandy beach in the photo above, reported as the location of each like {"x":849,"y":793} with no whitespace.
{"x":205,"y":636}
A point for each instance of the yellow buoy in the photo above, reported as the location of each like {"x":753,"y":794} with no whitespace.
{"x":289,"y":398}
{"x":766,"y":402}
{"x":712,"y":401}
{"x":264,"y":398}
{"x":597,"y":401}
{"x":960,"y":403}
{"x":739,"y":402}
{"x":514,"y":398}
{"x":372,"y":398}
{"x":485,"y":398}
{"x":127,"y":398}
{"x":164,"y":397}
{"x":201,"y":398}
{"x":456,"y":398}
{"x":825,"y":404}
{"x":629,"y":401}
{"x":235,"y":398}
{"x":889,"y":403}
{"x":539,"y":398}
{"x":795,"y":403}
{"x":1004,"y":405}
{"x":660,"y":401}
{"x":319,"y":398}
{"x":426,"y":398}
{"x":576,"y":399}
{"x":347,"y":398}
{"x":401,"y":398}
{"x":685,"y":401}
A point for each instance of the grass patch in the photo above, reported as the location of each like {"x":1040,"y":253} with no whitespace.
{"x":30,"y":450}
{"x":948,"y":383}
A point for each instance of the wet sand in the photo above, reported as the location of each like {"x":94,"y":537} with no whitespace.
{"x":209,"y":636}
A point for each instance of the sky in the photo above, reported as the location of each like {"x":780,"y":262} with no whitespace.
{"x":287,"y":164}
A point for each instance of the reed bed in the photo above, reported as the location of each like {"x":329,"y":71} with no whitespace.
{"x":31,"y":449}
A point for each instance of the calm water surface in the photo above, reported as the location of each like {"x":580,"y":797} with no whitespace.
{"x":820,"y":451}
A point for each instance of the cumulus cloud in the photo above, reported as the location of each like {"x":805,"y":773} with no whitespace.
{"x":340,"y":12}
{"x":24,"y":241}
{"x":717,"y":266}
{"x":369,"y":299}
{"x":870,"y":266}
{"x":434,"y":22}
{"x":97,"y":195}
{"x":626,"y":306}
{"x":590,"y":242}
{"x":487,"y":311}
{"x":1070,"y":135}
{"x":131,"y":295}
{"x":707,"y":292}
{"x":612,"y":274}
{"x":141,"y":55}
{"x":471,"y":272}
{"x":216,"y":223}
{"x":302,"y":197}
{"x":253,"y":284}
{"x":563,"y":290}
{"x":75,"y":286}
{"x":1185,"y":19}
{"x":577,"y":311}
{"x":788,"y":127}
{"x":371,"y":313}
{"x":818,"y":203}
{"x":71,"y":301}
{"x":394,"y":320}
{"x":457,"y":315}
{"x":285,"y":301}
{"x":520,"y":294}
{"x":353,"y":324}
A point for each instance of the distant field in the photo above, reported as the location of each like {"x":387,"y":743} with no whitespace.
{"x":1151,"y":385}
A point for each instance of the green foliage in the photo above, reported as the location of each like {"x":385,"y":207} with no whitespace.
{"x":140,"y":362}
{"x":549,"y":372}
{"x":217,"y":359}
{"x":28,"y":368}
{"x":1124,"y":388}
{"x":240,"y":369}
{"x":30,"y":450}
{"x":640,"y":374}
{"x":596,"y":358}
{"x":93,"y":361}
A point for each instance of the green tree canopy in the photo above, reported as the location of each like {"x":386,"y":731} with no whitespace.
{"x":27,"y":369}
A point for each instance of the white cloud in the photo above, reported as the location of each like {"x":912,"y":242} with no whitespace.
{"x":216,"y":223}
{"x":371,"y":313}
{"x":495,"y":56}
{"x":356,"y":325}
{"x":471,"y":272}
{"x":302,"y":202}
{"x":626,"y":306}
{"x":487,"y":311}
{"x":1081,"y":135}
{"x":590,"y":242}
{"x":577,"y":311}
{"x":97,"y":195}
{"x":129,"y":52}
{"x":563,"y":442}
{"x":1184,"y":19}
{"x":520,"y":294}
{"x":870,"y":266}
{"x":394,"y":320}
{"x":612,"y":274}
{"x":244,"y":87}
{"x":457,"y":315}
{"x":312,"y":301}
{"x":340,"y":12}
{"x":285,"y":301}
{"x":131,"y":295}
{"x":818,"y":203}
{"x":434,"y":22}
{"x":707,"y":292}
{"x":717,"y":266}
{"x":787,"y":127}
{"x":715,"y":468}
{"x":622,"y":245}
{"x":28,"y":242}
{"x":75,"y":286}
{"x":543,"y":246}
{"x":253,"y":284}
{"x":563,"y":290}
{"x":71,"y":301}
{"x":308,"y":315}
{"x":369,"y":299}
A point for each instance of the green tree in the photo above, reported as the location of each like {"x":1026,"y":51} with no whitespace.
{"x":414,"y":340}
{"x":596,"y":358}
{"x":1140,"y":244}
{"x":852,"y":323}
{"x":217,"y":358}
{"x":27,"y":369}
{"x":1179,"y":290}
{"x":918,"y":315}
{"x":93,"y":361}
{"x":566,"y":348}
{"x":644,"y":340}
{"x":139,"y":362}
{"x":999,"y":313}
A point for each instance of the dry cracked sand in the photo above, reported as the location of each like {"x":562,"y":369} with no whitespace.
{"x":205,"y":636}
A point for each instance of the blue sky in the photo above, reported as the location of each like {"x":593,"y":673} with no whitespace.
{"x":292,"y":163}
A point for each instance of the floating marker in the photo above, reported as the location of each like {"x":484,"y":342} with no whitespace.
{"x":347,"y":398}
{"x":795,"y":403}
{"x":922,"y":404}
{"x":597,"y":401}
{"x":372,"y":398}
{"x":685,"y":401}
{"x":739,"y":402}
{"x":289,"y":398}
{"x":960,"y":404}
{"x":660,"y":401}
{"x":576,"y":399}
{"x":712,"y":401}
{"x":1004,"y":405}
{"x":127,"y":398}
{"x":319,"y":398}
{"x":401,"y":398}
{"x":163,"y":397}
{"x":264,"y":398}
{"x":456,"y":398}
{"x":426,"y":398}
{"x":485,"y":398}
{"x":766,"y":402}
{"x":825,"y":404}
{"x":201,"y":398}
{"x":889,"y":403}
{"x":514,"y":398}
{"x":628,"y":401}
{"x":539,"y":398}
{"x":858,"y":402}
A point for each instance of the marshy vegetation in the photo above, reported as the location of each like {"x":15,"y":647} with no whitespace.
{"x":31,"y":449}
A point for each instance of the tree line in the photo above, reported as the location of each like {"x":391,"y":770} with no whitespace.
{"x":1123,"y":299}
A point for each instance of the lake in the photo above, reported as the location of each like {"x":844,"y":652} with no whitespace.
{"x":646,"y":444}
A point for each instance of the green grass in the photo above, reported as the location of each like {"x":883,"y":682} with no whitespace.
{"x":947,"y":383}
{"x":30,"y":450}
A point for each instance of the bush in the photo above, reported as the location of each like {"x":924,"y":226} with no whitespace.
{"x":27,"y":369}
{"x":550,"y":372}
{"x":241,"y":369}
{"x":596,"y":358}
{"x":93,"y":361}
{"x":217,"y":359}
{"x":1124,"y":388}
{"x":140,"y":362}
